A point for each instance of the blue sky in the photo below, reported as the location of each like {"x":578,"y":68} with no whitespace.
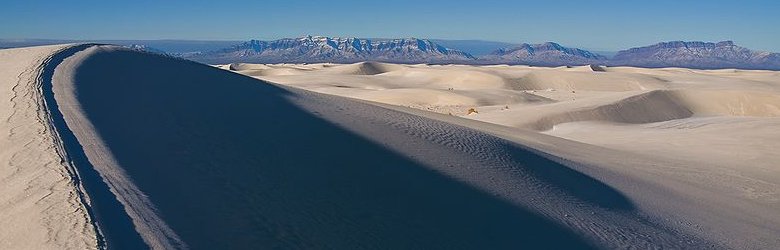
{"x":599,"y":25}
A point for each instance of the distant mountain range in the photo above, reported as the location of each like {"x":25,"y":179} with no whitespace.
{"x":312,"y":49}
{"x":545,"y":54}
{"x":474,"y":47}
{"x":339,"y":50}
{"x":702,"y":55}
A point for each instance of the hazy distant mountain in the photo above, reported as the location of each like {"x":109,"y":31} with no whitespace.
{"x":311,"y":49}
{"x":607,"y":53}
{"x":171,"y":47}
{"x":18,"y":43}
{"x":545,"y":54}
{"x":141,"y":47}
{"x":473,"y":47}
{"x":175,"y":47}
{"x":704,"y":55}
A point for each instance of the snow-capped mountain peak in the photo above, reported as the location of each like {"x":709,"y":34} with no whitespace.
{"x":336,"y":49}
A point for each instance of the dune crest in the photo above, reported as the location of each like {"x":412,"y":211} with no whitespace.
{"x":42,"y":204}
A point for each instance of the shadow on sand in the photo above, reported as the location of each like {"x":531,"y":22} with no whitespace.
{"x":103,"y":209}
{"x":230,"y":163}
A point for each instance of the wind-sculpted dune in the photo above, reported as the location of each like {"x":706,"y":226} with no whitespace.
{"x":164,"y":153}
{"x":210,"y":159}
{"x":692,"y":148}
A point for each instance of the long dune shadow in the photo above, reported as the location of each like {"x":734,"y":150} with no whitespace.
{"x":116,"y":227}
{"x":570,"y":181}
{"x":231,"y":163}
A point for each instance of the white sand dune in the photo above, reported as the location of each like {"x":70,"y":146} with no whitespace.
{"x":572,"y":80}
{"x":301,"y":169}
{"x":665,"y":105}
{"x":363,"y":68}
{"x":153,"y":151}
{"x":705,"y":137}
{"x":41,"y":206}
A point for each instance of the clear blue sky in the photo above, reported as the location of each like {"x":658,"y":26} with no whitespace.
{"x":601,"y":24}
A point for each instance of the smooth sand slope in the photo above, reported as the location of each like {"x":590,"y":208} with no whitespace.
{"x":175,"y":154}
{"x":210,"y":159}
{"x":703,"y":142}
{"x":41,"y":206}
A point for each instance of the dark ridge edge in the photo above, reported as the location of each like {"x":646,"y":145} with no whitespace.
{"x":103,"y":202}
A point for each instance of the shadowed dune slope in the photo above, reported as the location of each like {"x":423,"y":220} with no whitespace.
{"x":664,"y":105}
{"x":227,"y":161}
{"x":246,"y":66}
{"x":363,"y":68}
{"x":232,"y":162}
{"x":695,"y":149}
{"x":115,"y":225}
{"x":575,"y":80}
